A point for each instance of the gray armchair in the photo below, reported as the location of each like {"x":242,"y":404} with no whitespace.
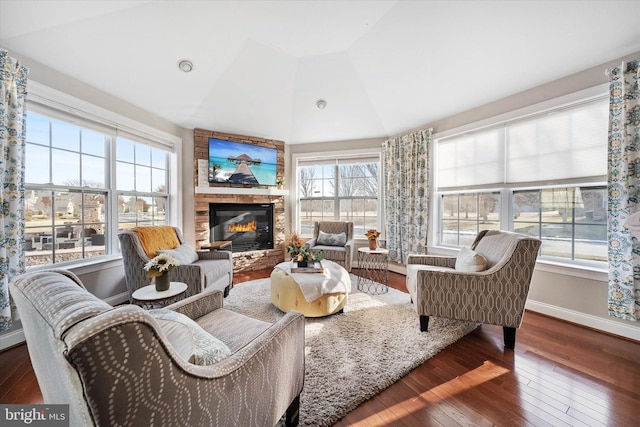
{"x":121,"y":366}
{"x":341,"y":253}
{"x":212,"y":270}
{"x":494,"y":296}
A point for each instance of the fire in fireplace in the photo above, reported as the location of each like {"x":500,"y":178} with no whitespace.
{"x":248,"y":225}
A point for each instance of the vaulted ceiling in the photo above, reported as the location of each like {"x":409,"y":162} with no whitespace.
{"x":259,"y":67}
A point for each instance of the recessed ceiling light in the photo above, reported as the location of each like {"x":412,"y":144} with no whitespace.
{"x":185,"y":65}
{"x":321,"y":104}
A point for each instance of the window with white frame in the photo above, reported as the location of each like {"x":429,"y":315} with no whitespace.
{"x":344,"y":188}
{"x":543,"y":175}
{"x":83,"y":182}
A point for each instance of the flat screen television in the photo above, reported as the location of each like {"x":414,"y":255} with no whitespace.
{"x":238,"y":163}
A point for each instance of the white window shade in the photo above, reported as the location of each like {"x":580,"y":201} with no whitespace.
{"x":472,"y":159}
{"x":563,"y":145}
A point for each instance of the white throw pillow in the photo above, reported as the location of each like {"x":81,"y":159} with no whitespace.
{"x":468,"y":260}
{"x":188,"y":339}
{"x":184,"y":254}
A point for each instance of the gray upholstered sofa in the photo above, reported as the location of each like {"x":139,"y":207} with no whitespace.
{"x":487,"y":284}
{"x":122,"y":366}
{"x":212,"y":270}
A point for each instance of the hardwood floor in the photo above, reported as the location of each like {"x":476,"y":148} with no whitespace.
{"x":559,"y":374}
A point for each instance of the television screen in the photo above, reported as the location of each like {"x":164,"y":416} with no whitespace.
{"x":238,"y":163}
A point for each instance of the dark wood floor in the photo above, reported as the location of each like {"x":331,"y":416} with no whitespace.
{"x":559,"y":374}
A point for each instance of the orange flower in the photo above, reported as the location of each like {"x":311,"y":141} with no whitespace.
{"x":372,"y":234}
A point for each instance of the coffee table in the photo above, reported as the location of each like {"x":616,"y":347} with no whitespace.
{"x":286,"y":294}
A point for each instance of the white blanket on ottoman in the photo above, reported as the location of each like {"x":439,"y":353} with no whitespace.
{"x":313,"y":285}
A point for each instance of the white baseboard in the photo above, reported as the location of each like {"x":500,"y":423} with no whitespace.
{"x":588,"y":320}
{"x":11,"y":338}
{"x":16,"y":336}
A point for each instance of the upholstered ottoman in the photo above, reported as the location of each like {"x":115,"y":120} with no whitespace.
{"x":328,"y":291}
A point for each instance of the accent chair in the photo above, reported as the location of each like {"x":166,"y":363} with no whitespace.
{"x":335,"y":240}
{"x":199,"y":270}
{"x":487,"y":284}
{"x":192,"y":363}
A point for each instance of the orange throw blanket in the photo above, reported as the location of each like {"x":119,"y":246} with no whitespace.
{"x":156,"y":237}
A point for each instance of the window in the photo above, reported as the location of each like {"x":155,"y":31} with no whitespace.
{"x":141,"y":182}
{"x":344,"y":189}
{"x":73,"y":186}
{"x":544,"y":175}
{"x":465,"y":214}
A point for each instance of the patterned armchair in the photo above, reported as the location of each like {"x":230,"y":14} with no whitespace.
{"x":334,"y":249}
{"x":211,"y":269}
{"x":123,"y":366}
{"x":449,"y":287}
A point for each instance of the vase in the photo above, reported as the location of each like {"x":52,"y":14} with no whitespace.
{"x":302,"y":264}
{"x":162,"y":282}
{"x":373,"y":244}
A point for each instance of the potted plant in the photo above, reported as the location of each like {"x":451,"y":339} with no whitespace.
{"x":159,"y":268}
{"x":372,"y":235}
{"x":300,"y":253}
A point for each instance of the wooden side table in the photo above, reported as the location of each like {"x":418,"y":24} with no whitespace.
{"x":148,"y":297}
{"x":373,"y":270}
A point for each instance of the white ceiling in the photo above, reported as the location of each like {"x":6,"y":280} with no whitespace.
{"x":384,"y":67}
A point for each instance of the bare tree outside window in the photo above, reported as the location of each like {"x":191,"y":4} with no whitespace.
{"x":346,"y":192}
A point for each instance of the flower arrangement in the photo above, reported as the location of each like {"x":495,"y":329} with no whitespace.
{"x":160,"y":264}
{"x":301,"y":253}
{"x":372,"y":234}
{"x":280,"y":181}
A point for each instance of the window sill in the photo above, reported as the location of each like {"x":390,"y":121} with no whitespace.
{"x":85,"y":266}
{"x":591,"y":272}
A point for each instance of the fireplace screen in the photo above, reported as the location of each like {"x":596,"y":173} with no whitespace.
{"x":248,"y":226}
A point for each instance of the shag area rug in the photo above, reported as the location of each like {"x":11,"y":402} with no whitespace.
{"x":352,"y":356}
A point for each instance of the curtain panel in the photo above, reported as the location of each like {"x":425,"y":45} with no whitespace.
{"x":406,"y":184}
{"x":13,"y":93}
{"x":624,"y":191}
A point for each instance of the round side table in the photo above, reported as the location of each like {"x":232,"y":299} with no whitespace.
{"x":373,"y":270}
{"x":148,"y":297}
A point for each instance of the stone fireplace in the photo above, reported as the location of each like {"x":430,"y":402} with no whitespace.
{"x":249,"y":226}
{"x":206,"y":194}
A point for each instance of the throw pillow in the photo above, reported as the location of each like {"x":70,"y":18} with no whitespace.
{"x":327,"y":239}
{"x":184,"y":254}
{"x":188,"y":339}
{"x":468,"y":260}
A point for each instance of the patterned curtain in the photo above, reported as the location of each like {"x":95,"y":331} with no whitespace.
{"x":406,"y":184}
{"x":13,"y":93}
{"x":624,"y":191}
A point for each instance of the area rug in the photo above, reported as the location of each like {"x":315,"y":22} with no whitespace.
{"x":352,"y":356}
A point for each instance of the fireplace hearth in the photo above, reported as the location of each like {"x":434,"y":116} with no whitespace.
{"x":248,"y":225}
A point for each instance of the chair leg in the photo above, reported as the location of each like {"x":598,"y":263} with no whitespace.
{"x":292,"y":417}
{"x":509,"y":337}
{"x":424,"y":323}
{"x":226,"y":291}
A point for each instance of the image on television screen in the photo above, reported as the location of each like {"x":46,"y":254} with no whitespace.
{"x":238,"y":163}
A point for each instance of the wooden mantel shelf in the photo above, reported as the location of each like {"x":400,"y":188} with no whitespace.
{"x":236,"y":190}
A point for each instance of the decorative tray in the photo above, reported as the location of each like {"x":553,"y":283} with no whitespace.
{"x":315,"y":267}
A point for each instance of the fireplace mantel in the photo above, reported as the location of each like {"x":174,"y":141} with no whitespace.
{"x":237,"y":190}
